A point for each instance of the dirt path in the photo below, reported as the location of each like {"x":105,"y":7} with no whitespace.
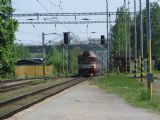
{"x":84,"y":102}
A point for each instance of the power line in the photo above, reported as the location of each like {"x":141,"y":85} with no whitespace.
{"x":42,"y":6}
{"x":66,"y":22}
{"x":67,"y":14}
{"x":74,"y":26}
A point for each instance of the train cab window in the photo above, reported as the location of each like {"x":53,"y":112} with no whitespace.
{"x":92,"y":59}
{"x":86,"y":59}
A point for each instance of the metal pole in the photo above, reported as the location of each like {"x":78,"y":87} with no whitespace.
{"x":67,"y":61}
{"x":107,"y":37}
{"x":118,"y":42}
{"x":43,"y":54}
{"x":135,"y":38}
{"x":141,"y":39}
{"x":129,"y":39}
{"x":150,"y":80}
{"x":110,"y":46}
{"x":62,"y":59}
{"x":125,"y":35}
{"x":87,"y":33}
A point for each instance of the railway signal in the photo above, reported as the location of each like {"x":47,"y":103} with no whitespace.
{"x":102,"y":39}
{"x":66,"y":37}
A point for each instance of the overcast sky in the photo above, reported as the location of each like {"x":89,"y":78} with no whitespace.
{"x":31,"y":34}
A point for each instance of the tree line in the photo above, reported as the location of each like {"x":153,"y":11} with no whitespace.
{"x":118,"y":35}
{"x":8,"y":26}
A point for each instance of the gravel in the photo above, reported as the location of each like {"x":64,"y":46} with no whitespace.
{"x":84,"y":102}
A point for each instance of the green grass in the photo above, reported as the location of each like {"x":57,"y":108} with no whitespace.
{"x":156,"y":72}
{"x":130,"y":89}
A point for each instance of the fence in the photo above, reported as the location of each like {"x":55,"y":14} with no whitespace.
{"x":33,"y":70}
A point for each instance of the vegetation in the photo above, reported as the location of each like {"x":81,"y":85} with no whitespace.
{"x":129,"y":89}
{"x":57,"y":59}
{"x":118,"y":31}
{"x":74,"y":59}
{"x":22,"y":52}
{"x":8,"y":26}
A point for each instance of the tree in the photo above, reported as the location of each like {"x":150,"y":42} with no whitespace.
{"x":8,"y":26}
{"x":21,"y":52}
{"x":117,"y":32}
{"x":55,"y":58}
{"x":74,"y":59}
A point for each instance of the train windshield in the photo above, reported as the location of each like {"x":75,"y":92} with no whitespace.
{"x":86,"y":59}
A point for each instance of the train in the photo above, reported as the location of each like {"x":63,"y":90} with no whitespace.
{"x":89,"y":64}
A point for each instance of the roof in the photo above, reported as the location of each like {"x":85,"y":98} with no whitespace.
{"x":28,"y":62}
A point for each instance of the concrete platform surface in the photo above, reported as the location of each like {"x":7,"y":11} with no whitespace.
{"x":84,"y":102}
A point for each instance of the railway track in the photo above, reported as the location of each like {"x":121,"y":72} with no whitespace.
{"x":9,"y":85}
{"x":6,"y":88}
{"x":11,"y":106}
{"x":26,"y":79}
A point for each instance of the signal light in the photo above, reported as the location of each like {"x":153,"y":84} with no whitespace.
{"x":66,"y":37}
{"x":102,"y":39}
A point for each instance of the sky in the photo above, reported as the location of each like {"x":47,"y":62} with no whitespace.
{"x":32,"y":34}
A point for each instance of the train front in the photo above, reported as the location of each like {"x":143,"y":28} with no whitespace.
{"x":87,"y":63}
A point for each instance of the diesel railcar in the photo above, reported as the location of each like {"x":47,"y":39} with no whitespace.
{"x":89,"y":64}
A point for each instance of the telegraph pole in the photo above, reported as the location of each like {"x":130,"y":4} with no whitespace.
{"x":107,"y":37}
{"x":149,"y":74}
{"x":141,"y":39}
{"x":43,"y":54}
{"x":135,"y":38}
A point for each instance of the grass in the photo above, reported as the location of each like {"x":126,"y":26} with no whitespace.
{"x":156,"y":72}
{"x":131,"y":90}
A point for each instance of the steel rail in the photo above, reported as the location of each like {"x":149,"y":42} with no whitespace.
{"x":62,"y":87}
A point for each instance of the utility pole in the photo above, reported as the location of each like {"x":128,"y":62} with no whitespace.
{"x":43,"y":54}
{"x":135,"y":39}
{"x":67,"y":61}
{"x":118,"y":42}
{"x":125,"y":35}
{"x":141,"y":39}
{"x":107,"y":38}
{"x":62,"y":45}
{"x":149,"y":74}
{"x":129,"y":39}
{"x":110,"y":46}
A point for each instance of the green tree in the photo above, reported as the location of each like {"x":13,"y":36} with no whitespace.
{"x":117,"y":31}
{"x":74,"y":59}
{"x":54,"y":58}
{"x":22,"y":52}
{"x":8,"y":26}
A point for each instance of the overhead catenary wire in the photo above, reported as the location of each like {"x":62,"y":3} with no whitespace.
{"x":42,"y":6}
{"x":61,"y":8}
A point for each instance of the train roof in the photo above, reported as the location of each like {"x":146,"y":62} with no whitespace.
{"x":87,"y":53}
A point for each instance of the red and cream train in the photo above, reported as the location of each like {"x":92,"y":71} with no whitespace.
{"x":89,"y":64}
